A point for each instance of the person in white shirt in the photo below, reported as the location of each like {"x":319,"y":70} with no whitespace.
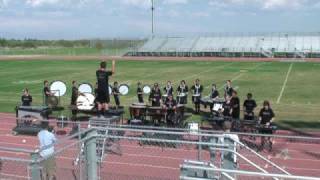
{"x":229,"y":159}
{"x":46,"y":141}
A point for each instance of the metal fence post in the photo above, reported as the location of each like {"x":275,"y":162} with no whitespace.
{"x":199,"y":147}
{"x":91,"y":155}
{"x":35,"y":166}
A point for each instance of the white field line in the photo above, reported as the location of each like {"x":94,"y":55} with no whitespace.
{"x":218,"y":68}
{"x":240,"y":74}
{"x":284,"y":83}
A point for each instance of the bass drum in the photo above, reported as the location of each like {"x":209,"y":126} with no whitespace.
{"x":85,"y":88}
{"x":58,"y":88}
{"x":53,"y":101}
{"x":124,"y":89}
{"x":85,"y":102}
{"x":110,"y":89}
{"x":146,"y":89}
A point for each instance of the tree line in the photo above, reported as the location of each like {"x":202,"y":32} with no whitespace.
{"x":35,"y":43}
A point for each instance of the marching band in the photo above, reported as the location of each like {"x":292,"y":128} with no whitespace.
{"x":161,"y":100}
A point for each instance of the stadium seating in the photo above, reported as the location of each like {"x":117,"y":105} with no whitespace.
{"x":263,"y":45}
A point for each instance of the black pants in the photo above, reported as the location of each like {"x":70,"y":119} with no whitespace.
{"x":117,"y":100}
{"x":140,"y":99}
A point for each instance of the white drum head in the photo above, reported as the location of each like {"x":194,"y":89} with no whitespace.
{"x":85,"y":88}
{"x":146,"y":89}
{"x":182,"y":94}
{"x":58,"y":88}
{"x":110,"y":89}
{"x":124,"y":89}
{"x":85,"y":102}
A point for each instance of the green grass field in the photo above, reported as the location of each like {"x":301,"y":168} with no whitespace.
{"x":299,"y":105}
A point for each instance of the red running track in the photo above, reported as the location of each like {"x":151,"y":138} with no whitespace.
{"x":152,"y":162}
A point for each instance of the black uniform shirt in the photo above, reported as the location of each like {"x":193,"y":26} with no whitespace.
{"x":235,"y":103}
{"x":197,"y":89}
{"x":228,"y":91}
{"x":155,"y":94}
{"x":168,"y":90}
{"x":46,"y":91}
{"x":115,"y":91}
{"x":214,"y":94}
{"x":266,"y":115}
{"x":26,"y":100}
{"x":249,"y":104}
{"x":103,"y":80}
{"x":183,"y":89}
{"x":74,"y":95}
{"x":227,"y":108}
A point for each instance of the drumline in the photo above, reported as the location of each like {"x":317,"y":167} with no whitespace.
{"x":86,"y":99}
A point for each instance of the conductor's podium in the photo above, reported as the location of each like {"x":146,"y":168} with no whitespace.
{"x":28,"y":119}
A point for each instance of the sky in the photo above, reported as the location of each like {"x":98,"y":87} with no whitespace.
{"x":78,"y":19}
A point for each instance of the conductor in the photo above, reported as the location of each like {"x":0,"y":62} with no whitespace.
{"x":103,"y":96}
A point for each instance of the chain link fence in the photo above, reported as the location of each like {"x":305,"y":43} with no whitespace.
{"x":143,"y":153}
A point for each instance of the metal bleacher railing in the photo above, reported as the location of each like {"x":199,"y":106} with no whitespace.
{"x":139,"y":152}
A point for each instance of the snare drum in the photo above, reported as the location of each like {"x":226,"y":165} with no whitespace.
{"x":196,"y":98}
{"x":164,"y":98}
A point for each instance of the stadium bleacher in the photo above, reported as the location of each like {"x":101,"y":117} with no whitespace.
{"x":282,"y":45}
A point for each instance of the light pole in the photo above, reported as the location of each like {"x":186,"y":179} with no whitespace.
{"x":152,"y":17}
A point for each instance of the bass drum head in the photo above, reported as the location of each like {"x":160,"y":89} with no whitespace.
{"x":58,"y":88}
{"x":85,"y":102}
{"x":110,"y":89}
{"x":53,"y":101}
{"x":85,"y":88}
{"x":146,"y":89}
{"x":124,"y":89}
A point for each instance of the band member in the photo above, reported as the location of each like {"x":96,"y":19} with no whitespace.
{"x":228,"y":89}
{"x":74,"y":93}
{"x":103,"y":98}
{"x":116,"y":93}
{"x":155,"y":98}
{"x":155,"y":95}
{"x":26,"y":98}
{"x":74,"y":96}
{"x":171,"y":105}
{"x":46,"y":92}
{"x":140,"y":93}
{"x":214,"y":95}
{"x":227,"y":107}
{"x":96,"y":89}
{"x":266,"y":117}
{"x":235,"y":103}
{"x":248,"y":107}
{"x":182,"y":93}
{"x":168,"y":90}
{"x":197,"y":91}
